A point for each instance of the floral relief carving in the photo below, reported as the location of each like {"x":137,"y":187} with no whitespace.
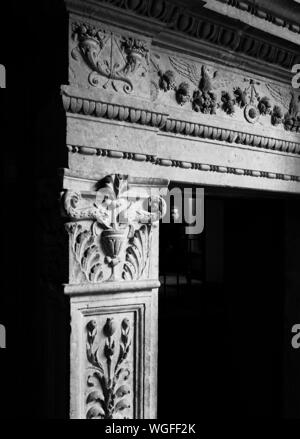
{"x":111,"y":57}
{"x":110,"y":238}
{"x":208,"y":91}
{"x":108,"y":371}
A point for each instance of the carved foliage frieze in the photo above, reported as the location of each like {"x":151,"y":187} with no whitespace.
{"x":110,"y":370}
{"x":206,"y":90}
{"x":116,"y":62}
{"x":110,"y":232}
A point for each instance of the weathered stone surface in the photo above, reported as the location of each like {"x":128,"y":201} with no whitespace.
{"x":157,"y":92}
{"x":113,"y":355}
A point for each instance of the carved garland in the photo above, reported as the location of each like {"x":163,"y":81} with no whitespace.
{"x":203,"y":97}
{"x":92,"y":45}
{"x":116,"y":58}
{"x":116,"y":230}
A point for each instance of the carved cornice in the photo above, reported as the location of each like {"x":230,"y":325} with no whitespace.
{"x":210,"y":29}
{"x":161,"y":161}
{"x":260,"y":12}
{"x":164,"y":122}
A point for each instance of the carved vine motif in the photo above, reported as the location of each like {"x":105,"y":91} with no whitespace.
{"x":214,"y":91}
{"x":108,"y":390}
{"x":112,"y":231}
{"x":108,"y":56}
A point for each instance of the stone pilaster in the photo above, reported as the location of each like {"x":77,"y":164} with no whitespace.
{"x":113,"y":281}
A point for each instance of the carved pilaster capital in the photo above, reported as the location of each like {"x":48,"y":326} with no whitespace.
{"x":110,"y":231}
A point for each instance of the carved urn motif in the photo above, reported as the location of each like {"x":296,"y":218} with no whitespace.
{"x":110,"y":237}
{"x":113,"y":242}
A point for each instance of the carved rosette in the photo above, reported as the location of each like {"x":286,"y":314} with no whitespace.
{"x":110,"y":232}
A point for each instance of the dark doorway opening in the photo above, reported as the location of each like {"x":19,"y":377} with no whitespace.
{"x":222,"y":340}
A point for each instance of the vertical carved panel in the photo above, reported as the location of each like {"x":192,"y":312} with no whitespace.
{"x":110,"y":367}
{"x":113,"y":356}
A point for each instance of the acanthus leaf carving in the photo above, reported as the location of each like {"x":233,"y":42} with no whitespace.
{"x":110,"y":237}
{"x":137,"y":253}
{"x":86,"y":252}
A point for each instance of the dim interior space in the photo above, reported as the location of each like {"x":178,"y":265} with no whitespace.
{"x":227,"y":299}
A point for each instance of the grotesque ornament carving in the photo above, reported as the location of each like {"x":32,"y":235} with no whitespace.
{"x":109,"y":56}
{"x":112,"y":231}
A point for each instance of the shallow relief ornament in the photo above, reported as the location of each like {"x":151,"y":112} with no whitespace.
{"x":114,"y":60}
{"x":221,"y":92}
{"x":109,"y":371}
{"x":110,"y":231}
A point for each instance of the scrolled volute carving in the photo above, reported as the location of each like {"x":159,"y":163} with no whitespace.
{"x":109,"y":56}
{"x":112,"y":231}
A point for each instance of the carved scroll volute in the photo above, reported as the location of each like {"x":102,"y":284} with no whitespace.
{"x":102,"y":58}
{"x":110,"y":232}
